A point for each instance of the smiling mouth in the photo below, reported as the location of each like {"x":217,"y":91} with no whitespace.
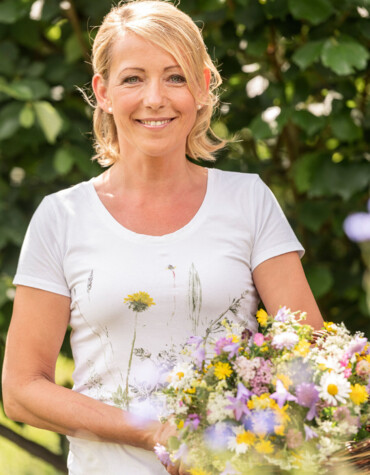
{"x":155,"y":123}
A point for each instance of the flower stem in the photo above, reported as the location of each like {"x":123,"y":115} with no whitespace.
{"x":129,"y":364}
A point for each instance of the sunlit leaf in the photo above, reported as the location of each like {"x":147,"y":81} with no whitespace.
{"x":344,"y":55}
{"x":63,"y":161}
{"x":49,"y":119}
{"x":27,"y":116}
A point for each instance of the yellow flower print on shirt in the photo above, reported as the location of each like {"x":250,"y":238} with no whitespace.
{"x":139,"y":301}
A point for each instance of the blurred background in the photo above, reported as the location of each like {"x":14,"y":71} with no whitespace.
{"x":296,"y":95}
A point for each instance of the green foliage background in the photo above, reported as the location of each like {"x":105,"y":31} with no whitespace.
{"x":296,"y":94}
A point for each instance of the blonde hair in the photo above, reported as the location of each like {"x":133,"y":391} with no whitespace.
{"x":171,"y":29}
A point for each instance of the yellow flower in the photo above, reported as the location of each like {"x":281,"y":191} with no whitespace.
{"x":198,"y":471}
{"x":262,"y":317}
{"x":139,"y":301}
{"x":329,"y":326}
{"x":180,"y":375}
{"x":180,"y":425}
{"x":284,"y":378}
{"x":264,"y":447}
{"x":358,"y":394}
{"x":222,"y":370}
{"x":302,"y":348}
{"x":246,"y":437}
{"x":279,"y":430}
{"x":190,"y":390}
{"x":261,"y":402}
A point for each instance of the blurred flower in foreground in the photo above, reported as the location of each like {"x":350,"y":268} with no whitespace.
{"x":357,"y":226}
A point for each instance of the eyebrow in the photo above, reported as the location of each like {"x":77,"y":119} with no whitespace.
{"x":176,"y":66}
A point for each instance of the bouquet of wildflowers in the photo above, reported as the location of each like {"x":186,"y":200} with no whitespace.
{"x":271,"y":398}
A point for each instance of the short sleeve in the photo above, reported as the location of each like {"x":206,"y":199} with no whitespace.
{"x":273,"y":234}
{"x":41,"y":259}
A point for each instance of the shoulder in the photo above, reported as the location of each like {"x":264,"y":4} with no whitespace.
{"x":68,"y":200}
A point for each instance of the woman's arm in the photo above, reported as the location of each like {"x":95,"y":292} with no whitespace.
{"x":30,"y":395}
{"x":281,"y":281}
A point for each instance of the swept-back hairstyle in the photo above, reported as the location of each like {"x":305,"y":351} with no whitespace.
{"x":171,"y":29}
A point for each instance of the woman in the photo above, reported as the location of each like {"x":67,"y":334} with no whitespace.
{"x":146,"y":254}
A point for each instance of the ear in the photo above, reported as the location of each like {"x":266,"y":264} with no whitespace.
{"x":207,"y":77}
{"x":101,"y":93}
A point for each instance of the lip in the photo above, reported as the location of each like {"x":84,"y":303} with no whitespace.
{"x":166,"y":121}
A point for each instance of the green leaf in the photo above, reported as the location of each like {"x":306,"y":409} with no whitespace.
{"x":173,"y":443}
{"x":304,"y":169}
{"x":313,"y":214}
{"x":27,"y":116}
{"x":344,"y":55}
{"x":260,"y":129}
{"x":9,"y":120}
{"x":341,"y":179}
{"x":308,"y":53}
{"x":8,"y":54}
{"x":308,"y":122}
{"x":10,"y":11}
{"x":49,"y":119}
{"x":320,"y":279}
{"x":315,"y":11}
{"x":344,"y":128}
{"x":73,"y":50}
{"x":63,"y":161}
{"x":17,"y":90}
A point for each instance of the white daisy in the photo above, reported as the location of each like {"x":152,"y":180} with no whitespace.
{"x":334,"y":388}
{"x":242,"y":440}
{"x":181,"y":376}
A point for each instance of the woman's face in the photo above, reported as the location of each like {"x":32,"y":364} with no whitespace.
{"x":152,"y":106}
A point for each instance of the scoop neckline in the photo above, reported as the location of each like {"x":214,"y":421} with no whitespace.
{"x":102,"y":213}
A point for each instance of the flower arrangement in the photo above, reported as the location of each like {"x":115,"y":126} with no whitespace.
{"x":244,"y":400}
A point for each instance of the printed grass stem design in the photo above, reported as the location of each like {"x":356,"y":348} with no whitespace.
{"x":195,"y":297}
{"x":137,"y":302}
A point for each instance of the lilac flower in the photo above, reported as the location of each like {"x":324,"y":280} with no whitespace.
{"x":357,"y":226}
{"x":282,"y":395}
{"x":238,"y":403}
{"x":195,"y":340}
{"x":282,"y":315}
{"x":199,"y":356}
{"x":229,"y":470}
{"x":262,"y":376}
{"x":181,"y":453}
{"x":261,"y":422}
{"x":285,"y":340}
{"x":219,"y":345}
{"x":162,"y":454}
{"x":356,"y":346}
{"x":308,"y":396}
{"x":342,"y":414}
{"x":192,"y":421}
{"x":232,"y":349}
{"x":310,"y":434}
{"x":216,"y":436}
{"x":258,"y":339}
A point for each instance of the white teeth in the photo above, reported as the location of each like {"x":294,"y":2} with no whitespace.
{"x":155,"y":122}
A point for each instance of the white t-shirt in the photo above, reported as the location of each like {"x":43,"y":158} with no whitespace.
{"x":122,"y":349}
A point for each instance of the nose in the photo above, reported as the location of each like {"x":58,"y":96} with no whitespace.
{"x":154,"y":95}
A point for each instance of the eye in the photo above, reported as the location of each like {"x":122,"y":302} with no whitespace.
{"x":177,"y":79}
{"x":131,"y":80}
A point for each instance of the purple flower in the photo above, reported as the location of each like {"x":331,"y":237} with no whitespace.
{"x":357,"y":226}
{"x":282,"y":395}
{"x":308,"y":396}
{"x":262,"y":376}
{"x":216,"y":436}
{"x":162,"y":454}
{"x":219,"y":345}
{"x":192,"y":421}
{"x":181,"y":453}
{"x":310,"y":434}
{"x":282,"y":315}
{"x":356,"y":346}
{"x":258,"y":339}
{"x":238,"y":403}
{"x":261,"y":422}
{"x":199,"y":356}
{"x":232,"y":349}
{"x":195,"y":340}
{"x":229,"y":470}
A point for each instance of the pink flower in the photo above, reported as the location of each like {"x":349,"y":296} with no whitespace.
{"x":258,"y":339}
{"x":347,"y":372}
